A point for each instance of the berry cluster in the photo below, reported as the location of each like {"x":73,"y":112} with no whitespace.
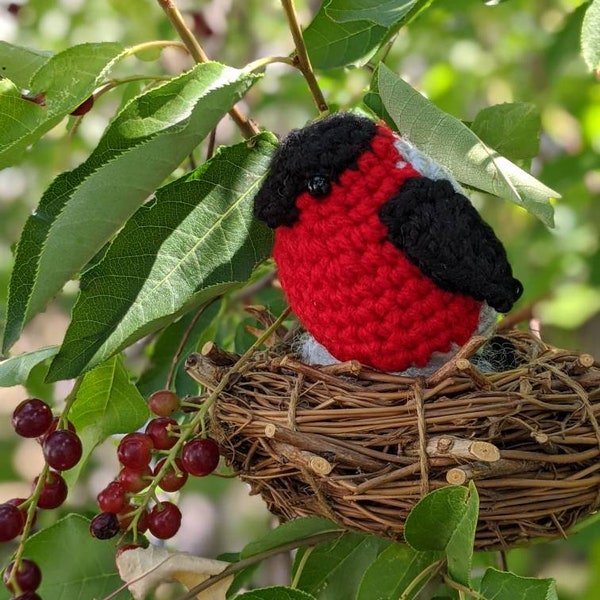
{"x":124,"y":501}
{"x":62,"y":450}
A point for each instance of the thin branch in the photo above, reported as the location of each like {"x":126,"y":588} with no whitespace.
{"x":302,"y":59}
{"x":245,"y":125}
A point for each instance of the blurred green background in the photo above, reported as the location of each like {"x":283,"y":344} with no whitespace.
{"x":464,"y":55}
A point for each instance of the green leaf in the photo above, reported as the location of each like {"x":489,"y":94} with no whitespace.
{"x":278,"y":592}
{"x":291,"y":531}
{"x":168,"y":345}
{"x":66,"y":79}
{"x":196,"y":240}
{"x":590,"y":36}
{"x":382,"y":13}
{"x":107,"y":403}
{"x":333,"y":571}
{"x":512,"y":129}
{"x":331,"y":45}
{"x":393,"y":571}
{"x":445,"y":520}
{"x":18,"y":63}
{"x":74,"y":564}
{"x":448,"y":141}
{"x":82,"y":209}
{"x":15,"y":370}
{"x":499,"y":585}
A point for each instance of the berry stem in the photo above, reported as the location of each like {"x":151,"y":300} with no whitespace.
{"x":245,"y":125}
{"x":199,"y":420}
{"x":302,"y":60}
{"x":63,"y":422}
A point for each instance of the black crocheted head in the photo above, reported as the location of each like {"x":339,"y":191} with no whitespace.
{"x":309,"y":159}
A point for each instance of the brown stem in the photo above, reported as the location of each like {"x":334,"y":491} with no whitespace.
{"x":302,"y":59}
{"x":245,"y":125}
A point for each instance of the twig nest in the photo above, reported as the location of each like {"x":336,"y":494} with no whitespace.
{"x":362,"y":447}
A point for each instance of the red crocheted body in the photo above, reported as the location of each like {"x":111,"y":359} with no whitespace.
{"x":351,"y":288}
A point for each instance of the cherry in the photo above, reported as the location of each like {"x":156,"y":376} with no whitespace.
{"x":105,"y":526}
{"x":28,"y":596}
{"x":164,"y":520}
{"x":31,"y":418}
{"x":135,"y":450}
{"x":28,"y":576}
{"x":112,"y":498}
{"x":135,"y":480}
{"x":17,"y":502}
{"x":200,"y":456}
{"x":172,"y":480}
{"x":62,"y":449}
{"x":164,"y":403}
{"x":39,"y":98}
{"x":54,"y":492}
{"x":125,"y":548}
{"x":11,"y":522}
{"x":84,"y":107}
{"x":54,"y":427}
{"x":126,"y":519}
{"x":163,"y":431}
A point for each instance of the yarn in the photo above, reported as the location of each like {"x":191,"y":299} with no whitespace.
{"x":371,"y":277}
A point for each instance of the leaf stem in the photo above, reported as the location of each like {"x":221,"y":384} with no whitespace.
{"x":298,"y":573}
{"x":462,"y":589}
{"x":312,"y":540}
{"x":422,"y":578}
{"x":245,"y":125}
{"x":302,"y":60}
{"x":155,"y":44}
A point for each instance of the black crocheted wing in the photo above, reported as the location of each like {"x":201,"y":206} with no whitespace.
{"x":440,"y":232}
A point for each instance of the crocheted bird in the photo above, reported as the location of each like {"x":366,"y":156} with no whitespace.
{"x":381,"y":256}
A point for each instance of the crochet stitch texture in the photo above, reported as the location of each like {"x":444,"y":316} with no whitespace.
{"x":378,"y":261}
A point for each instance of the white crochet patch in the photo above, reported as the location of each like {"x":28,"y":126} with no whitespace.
{"x":422,"y":163}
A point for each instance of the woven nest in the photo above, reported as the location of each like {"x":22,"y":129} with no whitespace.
{"x":362,"y":447}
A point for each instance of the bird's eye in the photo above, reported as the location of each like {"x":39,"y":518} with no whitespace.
{"x":318,"y":186}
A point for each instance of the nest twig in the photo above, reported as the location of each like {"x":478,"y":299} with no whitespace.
{"x":362,"y":447}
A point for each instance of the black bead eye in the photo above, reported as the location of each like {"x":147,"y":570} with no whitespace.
{"x":318,"y":186}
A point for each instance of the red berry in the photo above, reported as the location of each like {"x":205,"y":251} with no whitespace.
{"x":135,"y":450}
{"x":84,"y":107}
{"x":165,"y":520}
{"x":126,"y":518}
{"x":200,"y":456}
{"x":39,"y":99}
{"x":28,"y":596}
{"x":104,"y":526}
{"x":54,"y":492}
{"x":62,"y":449}
{"x":17,"y":502}
{"x":125,"y":548}
{"x":28,"y":576}
{"x":163,"y":431}
{"x":164,"y":403}
{"x":11,"y":522}
{"x":54,"y":427}
{"x":171,"y":481}
{"x":31,"y":418}
{"x":135,"y":480}
{"x":112,"y":498}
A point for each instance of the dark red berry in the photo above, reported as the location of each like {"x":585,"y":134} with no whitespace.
{"x":11,"y":522}
{"x":172,"y":480}
{"x":126,"y":519}
{"x":39,"y":99}
{"x":54,"y":427}
{"x":28,"y":576}
{"x":135,"y":450}
{"x":104,"y":526}
{"x":18,"y":502}
{"x":164,"y":403}
{"x":62,"y":449}
{"x":28,"y":596}
{"x":54,"y":492}
{"x":200,"y":456}
{"x":164,"y":520}
{"x":135,"y":480}
{"x":84,"y":107}
{"x":112,"y":498}
{"x":31,"y":418}
{"x":163,"y":431}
